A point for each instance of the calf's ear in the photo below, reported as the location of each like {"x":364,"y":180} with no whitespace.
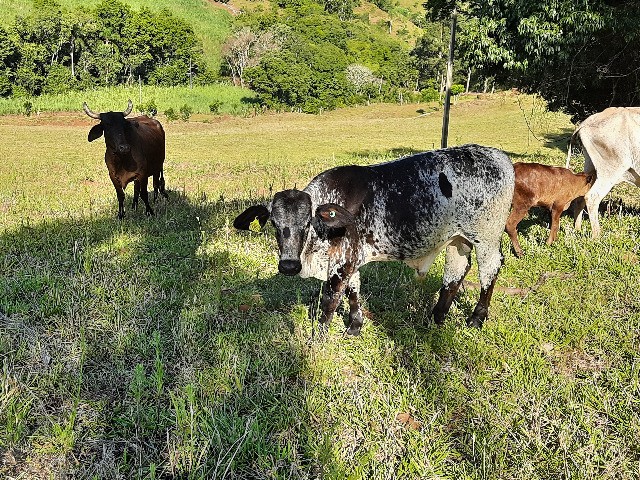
{"x":335,"y":216}
{"x":95,"y":132}
{"x":246,"y":218}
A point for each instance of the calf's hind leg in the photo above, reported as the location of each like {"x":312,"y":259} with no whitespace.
{"x":489,"y":262}
{"x":456,"y":266}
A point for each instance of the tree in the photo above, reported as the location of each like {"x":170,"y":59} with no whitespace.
{"x":580,"y":56}
{"x":245,"y":48}
{"x":342,"y":8}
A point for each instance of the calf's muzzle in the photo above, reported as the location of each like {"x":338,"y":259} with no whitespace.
{"x":289,"y":267}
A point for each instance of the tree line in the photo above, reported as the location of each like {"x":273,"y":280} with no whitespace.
{"x":312,"y":55}
{"x":580,"y":56}
{"x":53,"y":50}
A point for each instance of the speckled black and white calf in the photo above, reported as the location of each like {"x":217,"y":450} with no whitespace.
{"x":409,"y":209}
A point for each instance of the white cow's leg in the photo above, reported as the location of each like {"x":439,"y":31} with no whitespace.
{"x":457,"y":264}
{"x":593,"y":198}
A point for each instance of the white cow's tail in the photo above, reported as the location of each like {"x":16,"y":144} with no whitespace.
{"x":571,"y":142}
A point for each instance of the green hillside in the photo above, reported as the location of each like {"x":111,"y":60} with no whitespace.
{"x":211,"y":24}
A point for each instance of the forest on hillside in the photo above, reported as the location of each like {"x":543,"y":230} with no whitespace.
{"x":311,"y":55}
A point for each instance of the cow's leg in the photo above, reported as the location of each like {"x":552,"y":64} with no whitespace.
{"x":136,"y":194}
{"x":556,"y":212}
{"x":334,"y":288}
{"x":593,"y":198}
{"x":120,"y":194}
{"x":516,"y":215}
{"x":145,"y":195}
{"x":352,"y":292}
{"x":161,"y":185}
{"x":456,"y":266}
{"x":489,"y":262}
{"x":158,"y":185}
{"x":578,"y":206}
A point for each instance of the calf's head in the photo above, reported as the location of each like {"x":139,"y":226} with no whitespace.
{"x":114,"y":126}
{"x":291,"y":214}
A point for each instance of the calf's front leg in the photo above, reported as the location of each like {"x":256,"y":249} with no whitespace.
{"x":354,"y":323}
{"x":334,"y":288}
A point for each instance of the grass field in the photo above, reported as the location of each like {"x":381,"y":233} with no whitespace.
{"x":169,"y":347}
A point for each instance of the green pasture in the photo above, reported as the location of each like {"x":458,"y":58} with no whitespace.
{"x":211,"y":23}
{"x":169,"y":347}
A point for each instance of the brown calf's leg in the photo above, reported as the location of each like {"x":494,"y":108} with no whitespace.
{"x":516,"y":215}
{"x":556,"y":212}
{"x":578,"y":206}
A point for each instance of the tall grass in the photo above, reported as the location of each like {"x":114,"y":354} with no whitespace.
{"x":231,"y":100}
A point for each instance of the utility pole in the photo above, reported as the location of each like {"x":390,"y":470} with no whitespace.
{"x":447,"y":96}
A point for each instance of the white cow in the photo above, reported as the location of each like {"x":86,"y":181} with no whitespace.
{"x":611,"y":147}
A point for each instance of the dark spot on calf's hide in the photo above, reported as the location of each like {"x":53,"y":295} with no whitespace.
{"x":445,"y":185}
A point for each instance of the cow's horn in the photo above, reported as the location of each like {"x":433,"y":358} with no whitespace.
{"x":129,"y":108}
{"x":88,"y":111}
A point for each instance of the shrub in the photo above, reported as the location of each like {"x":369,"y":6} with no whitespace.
{"x":150,"y":108}
{"x":214,"y":107}
{"x":171,"y":114}
{"x":28,"y":107}
{"x":429,"y":95}
{"x":185,"y":112}
{"x":457,"y":89}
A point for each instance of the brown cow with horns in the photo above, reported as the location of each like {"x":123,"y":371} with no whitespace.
{"x":135,"y":151}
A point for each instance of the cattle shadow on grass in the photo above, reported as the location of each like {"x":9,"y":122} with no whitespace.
{"x":131,"y":355}
{"x":559,"y":140}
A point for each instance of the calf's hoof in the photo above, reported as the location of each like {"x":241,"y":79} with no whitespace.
{"x":353,"y":330}
{"x":438,"y":318}
{"x":475,"y":321}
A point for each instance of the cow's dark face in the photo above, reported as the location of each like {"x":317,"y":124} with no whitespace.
{"x":114,"y":126}
{"x":291,"y":217}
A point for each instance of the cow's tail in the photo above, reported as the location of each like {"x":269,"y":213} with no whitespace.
{"x":574,"y":135}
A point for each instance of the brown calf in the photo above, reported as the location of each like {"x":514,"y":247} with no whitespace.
{"x":543,"y":186}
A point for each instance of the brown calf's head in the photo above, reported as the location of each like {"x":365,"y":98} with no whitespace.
{"x":114,"y":126}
